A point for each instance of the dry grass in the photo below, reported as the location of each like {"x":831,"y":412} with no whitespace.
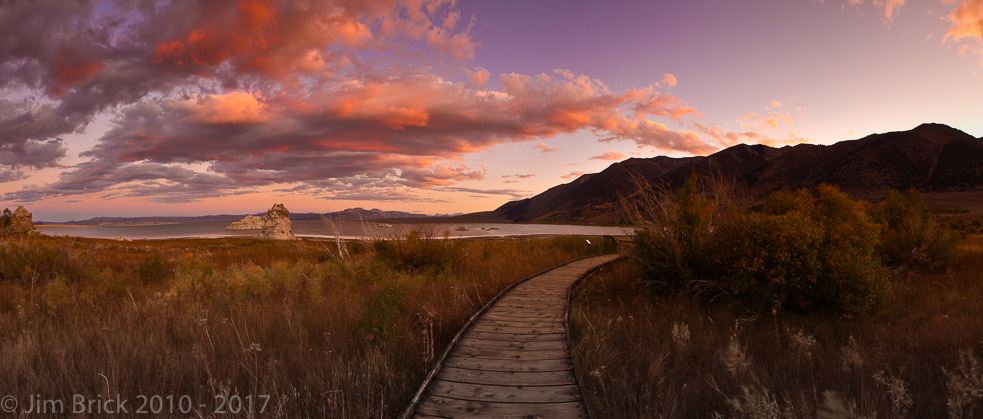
{"x":648,"y":356}
{"x":322,"y":337}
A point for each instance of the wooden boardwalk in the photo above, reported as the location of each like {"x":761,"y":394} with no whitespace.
{"x":512,"y":360}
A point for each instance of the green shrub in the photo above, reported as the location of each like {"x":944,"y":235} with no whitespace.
{"x":420,"y":251}
{"x":684,"y":240}
{"x":152,"y":268}
{"x":804,"y":253}
{"x":382,"y":312}
{"x":911,"y":239}
{"x":800,"y":252}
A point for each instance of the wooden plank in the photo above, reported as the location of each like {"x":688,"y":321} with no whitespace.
{"x":532,"y":295}
{"x":525,"y":312}
{"x":540,"y":307}
{"x":442,"y":406}
{"x":495,"y":321}
{"x":513,"y":354}
{"x":554,"y":304}
{"x":505,"y":316}
{"x":552,"y":301}
{"x":504,"y":394}
{"x":507,"y":378}
{"x":537,"y":292}
{"x":516,"y":309}
{"x":514,"y":337}
{"x":508,"y":365}
{"x":515,"y":330}
{"x":499,"y":344}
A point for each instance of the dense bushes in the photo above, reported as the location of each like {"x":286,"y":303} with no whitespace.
{"x":420,"y":250}
{"x":28,"y":259}
{"x":911,"y":240}
{"x":686,"y":239}
{"x":802,"y":250}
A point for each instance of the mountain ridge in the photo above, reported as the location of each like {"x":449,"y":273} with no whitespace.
{"x":932,"y":158}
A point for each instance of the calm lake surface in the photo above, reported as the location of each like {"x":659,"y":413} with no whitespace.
{"x":320,"y":229}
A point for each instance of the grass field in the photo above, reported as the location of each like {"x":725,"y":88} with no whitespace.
{"x":650,"y":355}
{"x":219,"y":320}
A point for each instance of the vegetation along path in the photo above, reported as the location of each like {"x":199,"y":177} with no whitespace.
{"x":512,"y":358}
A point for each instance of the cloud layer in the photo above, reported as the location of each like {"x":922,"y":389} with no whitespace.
{"x":342,"y":99}
{"x":212,"y":99}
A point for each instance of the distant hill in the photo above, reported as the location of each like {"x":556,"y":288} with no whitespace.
{"x":350,"y":214}
{"x":933,"y":158}
{"x":356,"y":214}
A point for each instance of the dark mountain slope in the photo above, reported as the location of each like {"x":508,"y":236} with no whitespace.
{"x":930,"y":158}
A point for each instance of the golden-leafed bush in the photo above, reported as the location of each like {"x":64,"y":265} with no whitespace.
{"x":806,"y":252}
{"x":801,"y":251}
{"x":911,"y":239}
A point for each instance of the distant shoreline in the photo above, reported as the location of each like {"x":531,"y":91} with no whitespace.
{"x":138,"y":223}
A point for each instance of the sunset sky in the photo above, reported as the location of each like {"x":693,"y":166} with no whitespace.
{"x":134,"y":108}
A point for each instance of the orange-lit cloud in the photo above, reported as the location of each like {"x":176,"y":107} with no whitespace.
{"x":572,"y":175}
{"x":890,"y":7}
{"x":479,"y":77}
{"x":231,"y":108}
{"x":668,"y":80}
{"x":609,"y":155}
{"x":966,"y":27}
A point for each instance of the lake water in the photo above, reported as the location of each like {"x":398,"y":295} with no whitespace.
{"x":320,"y":229}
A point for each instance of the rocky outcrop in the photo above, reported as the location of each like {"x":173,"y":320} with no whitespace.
{"x":21,"y":221}
{"x":251,"y":222}
{"x":276,"y":224}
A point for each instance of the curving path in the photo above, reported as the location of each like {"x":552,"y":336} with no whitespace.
{"x":512,"y":359}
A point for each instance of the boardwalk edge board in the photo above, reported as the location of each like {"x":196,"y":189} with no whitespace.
{"x":566,"y":328}
{"x":410,"y":410}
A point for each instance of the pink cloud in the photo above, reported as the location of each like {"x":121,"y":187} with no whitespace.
{"x":966,"y":25}
{"x":545,"y":148}
{"x":668,"y":80}
{"x":890,"y":7}
{"x":572,"y":175}
{"x":479,"y":77}
{"x":609,"y":155}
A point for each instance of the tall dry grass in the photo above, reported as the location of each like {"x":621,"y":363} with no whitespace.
{"x":322,"y":337}
{"x":647,"y":354}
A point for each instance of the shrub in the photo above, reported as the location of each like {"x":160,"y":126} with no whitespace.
{"x":420,"y":250}
{"x":152,"y":268}
{"x":27,"y":259}
{"x":684,"y":240}
{"x":799,"y":252}
{"x":911,"y":239}
{"x":803,"y":253}
{"x":379,"y":321}
{"x":5,"y":220}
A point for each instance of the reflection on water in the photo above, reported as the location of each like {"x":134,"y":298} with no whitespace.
{"x":310,"y":228}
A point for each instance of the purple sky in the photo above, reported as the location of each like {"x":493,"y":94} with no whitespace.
{"x":124,"y":108}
